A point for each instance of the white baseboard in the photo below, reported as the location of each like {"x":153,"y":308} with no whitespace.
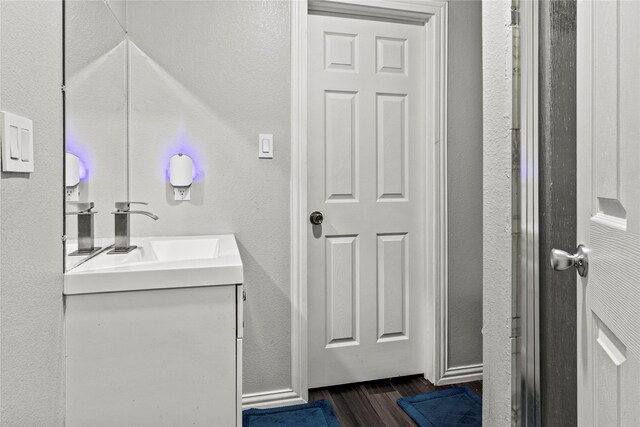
{"x":270,"y":399}
{"x":287,"y":397}
{"x":461,"y":374}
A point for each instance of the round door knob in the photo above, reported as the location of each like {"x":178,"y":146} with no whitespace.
{"x":316,"y":218}
{"x":561,"y":260}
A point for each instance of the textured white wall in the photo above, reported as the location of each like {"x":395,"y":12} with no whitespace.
{"x":31,"y":355}
{"x":465,"y":182}
{"x":496,"y":68}
{"x":207,"y":78}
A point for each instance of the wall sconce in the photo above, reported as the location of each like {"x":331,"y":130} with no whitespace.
{"x":72,"y":177}
{"x":181,"y":176}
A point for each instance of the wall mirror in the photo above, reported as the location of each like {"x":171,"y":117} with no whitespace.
{"x":96,"y":122}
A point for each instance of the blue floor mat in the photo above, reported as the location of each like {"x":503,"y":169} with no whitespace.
{"x":452,"y":407}
{"x":314,"y":414}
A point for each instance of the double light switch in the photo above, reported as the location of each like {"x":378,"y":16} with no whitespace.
{"x":17,"y":143}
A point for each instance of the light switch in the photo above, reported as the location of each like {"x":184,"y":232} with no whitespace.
{"x":17,"y":143}
{"x":14,"y":142}
{"x":25,"y":145}
{"x":265,"y":146}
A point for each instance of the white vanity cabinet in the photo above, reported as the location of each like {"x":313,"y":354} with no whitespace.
{"x":146,"y":346}
{"x":162,"y":357}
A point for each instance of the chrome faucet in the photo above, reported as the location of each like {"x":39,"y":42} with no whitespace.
{"x":122,"y":228}
{"x":85,"y":229}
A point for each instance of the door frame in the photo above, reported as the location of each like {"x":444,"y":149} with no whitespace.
{"x":525,"y":372}
{"x":434,"y":13}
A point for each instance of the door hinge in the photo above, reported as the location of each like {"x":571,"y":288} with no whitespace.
{"x":515,"y":16}
{"x":64,"y":237}
{"x":63,"y":88}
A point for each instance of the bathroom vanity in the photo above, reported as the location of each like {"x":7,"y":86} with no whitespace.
{"x":154,"y":337}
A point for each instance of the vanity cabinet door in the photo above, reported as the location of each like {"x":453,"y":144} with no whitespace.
{"x":157,"y":358}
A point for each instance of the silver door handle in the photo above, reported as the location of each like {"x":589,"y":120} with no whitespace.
{"x":561,"y":260}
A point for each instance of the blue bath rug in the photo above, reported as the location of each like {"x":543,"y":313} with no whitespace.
{"x":314,"y":414}
{"x":452,"y":407}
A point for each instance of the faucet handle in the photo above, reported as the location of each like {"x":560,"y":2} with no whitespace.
{"x":83,"y":208}
{"x":125,"y":206}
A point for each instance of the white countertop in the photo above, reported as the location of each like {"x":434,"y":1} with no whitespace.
{"x":160,"y":263}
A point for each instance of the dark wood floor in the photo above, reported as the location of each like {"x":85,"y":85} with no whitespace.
{"x":373,"y":404}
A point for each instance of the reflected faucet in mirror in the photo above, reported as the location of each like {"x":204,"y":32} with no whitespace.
{"x":85,"y":229}
{"x":122,"y":226}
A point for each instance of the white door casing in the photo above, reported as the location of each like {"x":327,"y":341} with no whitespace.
{"x":367,"y":173}
{"x":608,"y":136}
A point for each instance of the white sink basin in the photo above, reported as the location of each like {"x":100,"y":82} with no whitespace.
{"x":184,"y":249}
{"x":158,"y":263}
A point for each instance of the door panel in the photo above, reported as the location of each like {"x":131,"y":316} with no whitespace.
{"x":366,"y":174}
{"x":340,"y":145}
{"x":608,"y":212}
{"x":342,"y":289}
{"x":392,"y":146}
{"x":609,"y":356}
{"x":392,"y":287}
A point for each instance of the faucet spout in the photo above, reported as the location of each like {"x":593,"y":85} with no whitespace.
{"x":149,"y":214}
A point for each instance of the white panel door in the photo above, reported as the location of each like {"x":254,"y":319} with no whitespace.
{"x":609,"y":212}
{"x":366,"y":174}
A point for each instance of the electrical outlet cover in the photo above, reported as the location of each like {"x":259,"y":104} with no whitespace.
{"x":72,"y":193}
{"x":182,"y":193}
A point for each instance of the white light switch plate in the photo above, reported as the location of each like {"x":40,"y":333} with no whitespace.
{"x":17,"y":143}
{"x":265,"y":146}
